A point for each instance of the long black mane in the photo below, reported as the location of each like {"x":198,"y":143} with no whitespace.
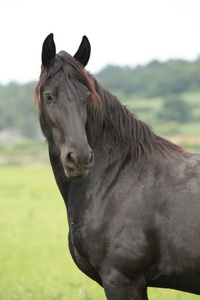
{"x":116,"y":123}
{"x":106,"y":116}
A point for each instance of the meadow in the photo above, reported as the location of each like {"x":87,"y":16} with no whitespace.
{"x":34,"y":258}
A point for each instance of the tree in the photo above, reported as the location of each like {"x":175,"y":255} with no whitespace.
{"x":175,"y":109}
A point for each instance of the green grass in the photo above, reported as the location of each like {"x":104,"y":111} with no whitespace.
{"x":34,"y":259}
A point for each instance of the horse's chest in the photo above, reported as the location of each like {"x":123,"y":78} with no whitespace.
{"x":86,"y":239}
{"x":85,"y":251}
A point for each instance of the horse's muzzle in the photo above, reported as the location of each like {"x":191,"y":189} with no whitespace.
{"x":77,"y":165}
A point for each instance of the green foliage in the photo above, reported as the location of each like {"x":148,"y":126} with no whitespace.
{"x":175,"y":109}
{"x":17,"y":107}
{"x":154,"y":80}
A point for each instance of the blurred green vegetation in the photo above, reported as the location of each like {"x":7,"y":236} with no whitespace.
{"x":23,"y":147}
{"x":154,"y":79}
{"x":17,"y":108}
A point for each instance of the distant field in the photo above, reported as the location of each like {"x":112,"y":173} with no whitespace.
{"x":34,"y":259}
{"x":147,"y":109}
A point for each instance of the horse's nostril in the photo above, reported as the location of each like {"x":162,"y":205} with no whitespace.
{"x":71,"y":158}
{"x":91,"y":158}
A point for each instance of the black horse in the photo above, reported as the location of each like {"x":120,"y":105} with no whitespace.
{"x":132,"y":197}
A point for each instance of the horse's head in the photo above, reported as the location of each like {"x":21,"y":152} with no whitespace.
{"x":63,"y":91}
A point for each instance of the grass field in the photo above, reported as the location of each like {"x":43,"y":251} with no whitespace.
{"x":34,"y":259}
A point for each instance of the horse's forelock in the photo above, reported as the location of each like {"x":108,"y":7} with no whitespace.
{"x":77,"y":74}
{"x":73,"y":70}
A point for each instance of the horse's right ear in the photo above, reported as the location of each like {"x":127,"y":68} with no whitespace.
{"x":48,"y":50}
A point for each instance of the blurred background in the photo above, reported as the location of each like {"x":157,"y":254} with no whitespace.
{"x":147,"y":53}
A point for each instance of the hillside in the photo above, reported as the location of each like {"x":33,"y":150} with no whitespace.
{"x":153,"y":80}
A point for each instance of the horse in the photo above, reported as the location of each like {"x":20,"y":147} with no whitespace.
{"x":132,"y":197}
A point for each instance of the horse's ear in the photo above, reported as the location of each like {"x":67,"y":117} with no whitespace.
{"x":83,"y":53}
{"x":48,"y":50}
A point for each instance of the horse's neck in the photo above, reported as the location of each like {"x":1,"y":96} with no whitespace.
{"x":61,"y":179}
{"x":104,"y":171}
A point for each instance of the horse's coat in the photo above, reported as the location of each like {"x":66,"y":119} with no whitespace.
{"x":132,"y":197}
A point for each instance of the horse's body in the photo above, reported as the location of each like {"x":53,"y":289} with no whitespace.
{"x":132,"y":197}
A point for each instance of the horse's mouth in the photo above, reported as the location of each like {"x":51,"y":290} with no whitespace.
{"x":76,"y":173}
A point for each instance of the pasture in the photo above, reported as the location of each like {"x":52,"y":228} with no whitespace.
{"x":34,"y":259}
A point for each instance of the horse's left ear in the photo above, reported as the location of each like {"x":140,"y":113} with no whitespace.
{"x":83,"y":53}
{"x":48,"y":50}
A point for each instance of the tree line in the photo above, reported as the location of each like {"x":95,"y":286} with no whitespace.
{"x":155,"y":79}
{"x":17,"y":108}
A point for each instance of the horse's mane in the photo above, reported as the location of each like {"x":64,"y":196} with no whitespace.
{"x":106,"y":116}
{"x":118,"y":125}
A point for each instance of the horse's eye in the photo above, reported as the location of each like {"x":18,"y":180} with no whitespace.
{"x":48,"y":97}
